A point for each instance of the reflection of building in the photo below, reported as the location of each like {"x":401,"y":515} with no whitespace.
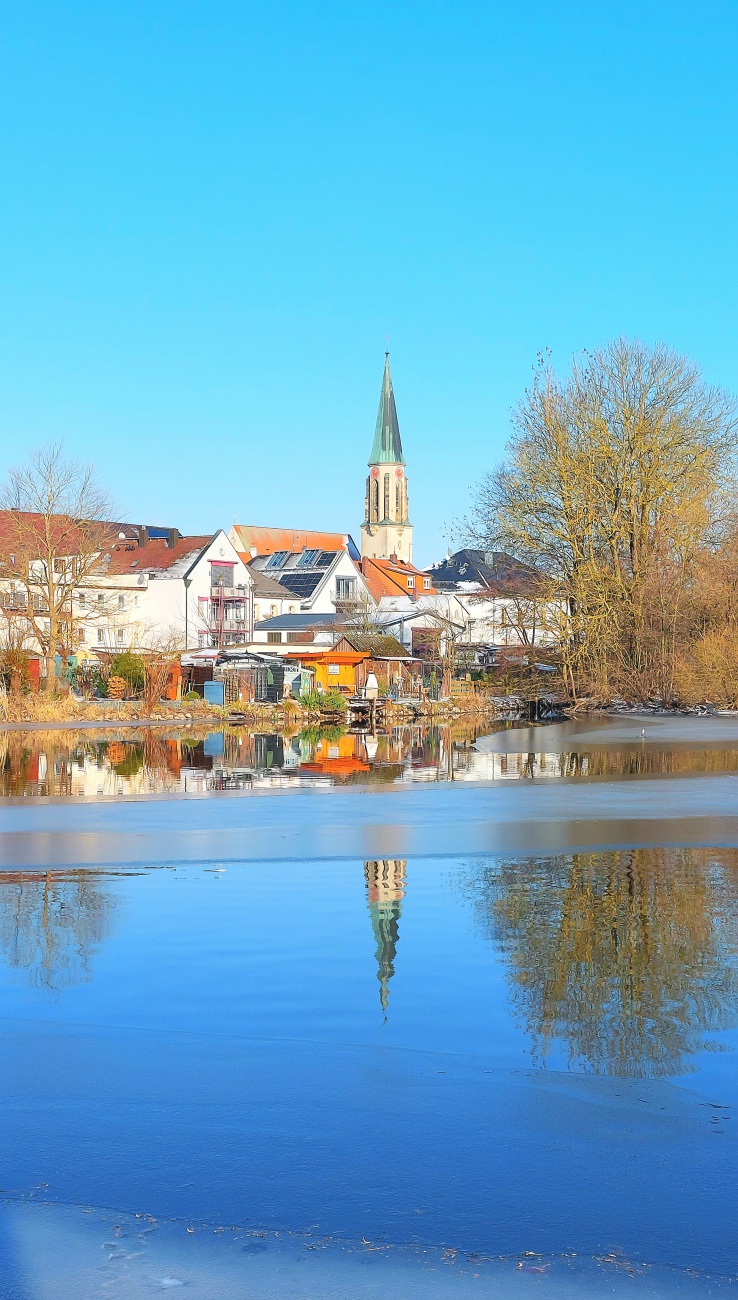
{"x":385,"y":890}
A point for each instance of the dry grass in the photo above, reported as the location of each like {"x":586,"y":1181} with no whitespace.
{"x":66,"y":709}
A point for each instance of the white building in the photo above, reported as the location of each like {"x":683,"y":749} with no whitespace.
{"x":498,"y":596}
{"x":150,"y":590}
{"x":313,"y":580}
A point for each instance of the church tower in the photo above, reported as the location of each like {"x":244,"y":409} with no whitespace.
{"x":386,"y":530}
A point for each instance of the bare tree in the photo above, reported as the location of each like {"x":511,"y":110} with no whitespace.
{"x":53,"y":529}
{"x":14,"y":652}
{"x":161,"y":653}
{"x":614,"y":480}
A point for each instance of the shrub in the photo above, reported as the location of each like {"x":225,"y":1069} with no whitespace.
{"x":325,"y":701}
{"x":131,"y":668}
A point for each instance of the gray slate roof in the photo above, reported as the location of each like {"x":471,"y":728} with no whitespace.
{"x":376,"y":644}
{"x":296,"y":622}
{"x":495,"y":571}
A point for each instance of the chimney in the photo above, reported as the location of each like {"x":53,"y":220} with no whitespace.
{"x":173,"y":536}
{"x":143,"y":535}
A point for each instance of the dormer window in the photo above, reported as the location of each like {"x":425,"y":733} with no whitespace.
{"x":411,"y":583}
{"x":426,"y":584}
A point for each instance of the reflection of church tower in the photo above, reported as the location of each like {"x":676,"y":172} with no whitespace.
{"x":385,"y":890}
{"x":387,"y":530}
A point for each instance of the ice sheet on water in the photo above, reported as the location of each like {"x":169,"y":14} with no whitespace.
{"x":69,"y":1252}
{"x":584,"y":734}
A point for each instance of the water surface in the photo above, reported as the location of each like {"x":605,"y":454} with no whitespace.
{"x":126,"y":763}
{"x":400,"y":1039}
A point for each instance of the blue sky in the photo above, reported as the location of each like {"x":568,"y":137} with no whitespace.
{"x":213,"y":214}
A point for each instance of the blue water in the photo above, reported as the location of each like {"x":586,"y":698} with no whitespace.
{"x":494,"y":1054}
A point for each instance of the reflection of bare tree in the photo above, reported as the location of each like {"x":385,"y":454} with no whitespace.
{"x":626,"y":956}
{"x":51,"y":924}
{"x":385,"y":890}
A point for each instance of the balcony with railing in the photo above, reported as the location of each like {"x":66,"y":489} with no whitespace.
{"x":229,"y":593}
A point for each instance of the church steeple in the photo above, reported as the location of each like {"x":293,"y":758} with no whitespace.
{"x":386,"y":532}
{"x":387,"y":445}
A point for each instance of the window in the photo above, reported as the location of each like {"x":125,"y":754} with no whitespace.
{"x":80,"y":634}
{"x":334,"y":670}
{"x":100,"y":636}
{"x":426,"y":584}
{"x":274,"y":638}
{"x":345,"y":588}
{"x":135,"y":602}
{"x":386,"y":496}
{"x":308,"y":559}
{"x":81,"y":598}
{"x":277,"y":560}
{"x":272,"y":611}
{"x":398,"y":502}
{"x":221,"y":575}
{"x":12,"y":560}
{"x":121,"y":602}
{"x":374,"y":508}
{"x":411,"y":582}
{"x":120,"y":634}
{"x":101,"y":598}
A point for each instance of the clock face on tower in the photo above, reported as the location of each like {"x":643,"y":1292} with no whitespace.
{"x":375,"y":472}
{"x":398,"y":472}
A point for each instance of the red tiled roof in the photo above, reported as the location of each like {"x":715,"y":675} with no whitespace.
{"x":24,"y":530}
{"x":265,"y":541}
{"x":389,"y":578}
{"x":127,"y":558}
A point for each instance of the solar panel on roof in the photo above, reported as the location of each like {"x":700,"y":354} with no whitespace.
{"x":326,"y":559}
{"x":301,"y":584}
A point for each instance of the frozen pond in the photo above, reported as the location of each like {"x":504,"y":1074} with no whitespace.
{"x":436,"y":1041}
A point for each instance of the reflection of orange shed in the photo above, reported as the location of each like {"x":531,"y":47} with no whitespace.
{"x":334,"y":670}
{"x":336,"y":757}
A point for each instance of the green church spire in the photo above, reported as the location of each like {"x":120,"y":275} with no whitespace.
{"x":387,"y":445}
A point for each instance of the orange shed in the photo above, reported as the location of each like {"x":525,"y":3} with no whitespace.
{"x":334,"y":670}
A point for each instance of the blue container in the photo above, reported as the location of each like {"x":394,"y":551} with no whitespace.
{"x":214,"y":693}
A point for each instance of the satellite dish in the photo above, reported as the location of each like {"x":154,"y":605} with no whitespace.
{"x":121,"y":537}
